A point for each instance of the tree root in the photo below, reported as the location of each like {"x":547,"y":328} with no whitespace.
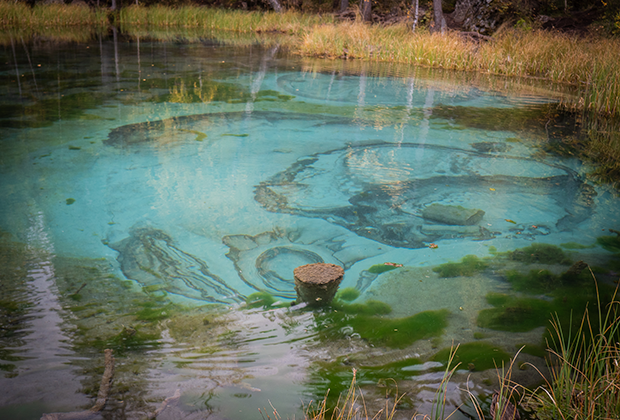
{"x":102,"y":396}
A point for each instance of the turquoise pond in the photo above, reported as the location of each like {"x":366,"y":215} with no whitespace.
{"x":149,"y":188}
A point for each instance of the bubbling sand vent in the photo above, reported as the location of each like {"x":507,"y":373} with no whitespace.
{"x":316,"y":284}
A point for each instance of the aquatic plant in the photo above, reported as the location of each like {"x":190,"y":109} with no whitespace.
{"x":540,"y":253}
{"x":264,"y":300}
{"x":476,"y":356}
{"x":584,"y":374}
{"x":610,"y":243}
{"x":543,"y":281}
{"x":469,"y":265}
{"x":382,"y":268}
{"x":379,"y":330}
{"x":347,"y":294}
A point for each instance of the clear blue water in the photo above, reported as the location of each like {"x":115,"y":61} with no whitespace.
{"x":144,"y":175}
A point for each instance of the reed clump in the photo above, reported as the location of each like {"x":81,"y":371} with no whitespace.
{"x":221,"y":19}
{"x":19,"y":14}
{"x":585,"y":370}
{"x":590,"y":64}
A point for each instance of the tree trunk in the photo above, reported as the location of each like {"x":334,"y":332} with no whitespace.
{"x":344,"y":5}
{"x":366,"y":10}
{"x":276,"y":6}
{"x":440,"y":22}
{"x":113,"y":7}
{"x":415,"y":5}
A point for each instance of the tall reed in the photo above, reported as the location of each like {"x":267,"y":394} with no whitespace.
{"x":585,"y":375}
{"x":19,"y":14}
{"x":211,"y":18}
{"x":590,"y":64}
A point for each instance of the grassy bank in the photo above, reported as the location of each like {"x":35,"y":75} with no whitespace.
{"x":589,"y":64}
{"x":43,"y":16}
{"x":221,"y":19}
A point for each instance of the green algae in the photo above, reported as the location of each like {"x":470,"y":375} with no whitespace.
{"x":521,"y":314}
{"x":609,"y":243}
{"x":70,"y":201}
{"x":477,"y":356}
{"x":514,"y":314}
{"x":370,"y":307}
{"x":347,"y":294}
{"x":538,"y":350}
{"x":383,"y":331}
{"x":540,"y":253}
{"x":335,"y":376}
{"x":264,"y":300}
{"x":381,"y":268}
{"x":543,"y":281}
{"x":575,"y":245}
{"x":469,"y":265}
{"x":154,"y":311}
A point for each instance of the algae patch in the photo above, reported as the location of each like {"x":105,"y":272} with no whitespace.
{"x":469,"y":265}
{"x":476,"y":356}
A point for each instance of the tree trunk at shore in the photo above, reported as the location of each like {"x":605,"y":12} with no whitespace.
{"x":344,"y":5}
{"x":366,"y":10}
{"x":440,"y":22}
{"x":276,"y":6}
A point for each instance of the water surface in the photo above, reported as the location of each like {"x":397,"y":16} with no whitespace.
{"x":149,"y":188}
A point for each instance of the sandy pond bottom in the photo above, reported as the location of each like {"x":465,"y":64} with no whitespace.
{"x":145,"y":210}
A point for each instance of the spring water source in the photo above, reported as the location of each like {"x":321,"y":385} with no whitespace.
{"x":148,"y":189}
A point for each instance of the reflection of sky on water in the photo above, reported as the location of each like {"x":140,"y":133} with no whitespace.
{"x":212,"y":175}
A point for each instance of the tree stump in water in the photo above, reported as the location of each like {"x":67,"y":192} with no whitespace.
{"x":316,"y":284}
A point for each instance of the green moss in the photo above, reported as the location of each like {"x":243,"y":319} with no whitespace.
{"x":543,"y":281}
{"x":370,"y":307}
{"x":514,"y":314}
{"x":382,"y":331}
{"x":381,"y":268}
{"x":477,"y":356}
{"x":153,"y":311}
{"x":335,"y":376}
{"x":347,"y":294}
{"x":537,"y":350}
{"x":518,"y":314}
{"x":70,"y":201}
{"x":260,"y":299}
{"x":575,"y":245}
{"x":469,"y":265}
{"x":264,"y":300}
{"x":609,"y":243}
{"x":537,"y":281}
{"x":479,"y":336}
{"x":540,"y":253}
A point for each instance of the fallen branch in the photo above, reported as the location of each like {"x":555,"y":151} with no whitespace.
{"x":167,"y":402}
{"x":102,"y":396}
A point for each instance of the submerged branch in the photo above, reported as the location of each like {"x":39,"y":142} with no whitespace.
{"x":102,"y":396}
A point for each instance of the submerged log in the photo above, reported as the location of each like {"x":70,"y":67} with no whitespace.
{"x":316,"y":284}
{"x":102,"y":396}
